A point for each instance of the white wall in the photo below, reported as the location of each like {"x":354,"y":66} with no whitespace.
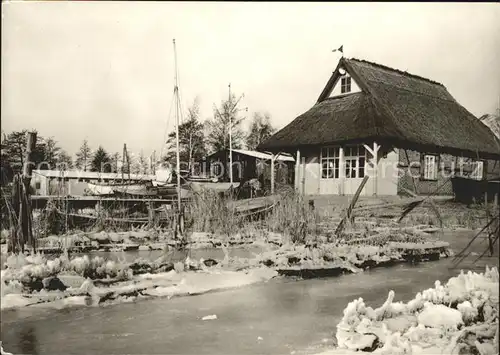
{"x":312,"y":174}
{"x":336,"y":88}
{"x":386,"y":182}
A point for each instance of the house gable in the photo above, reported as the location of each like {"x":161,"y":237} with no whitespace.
{"x":345,"y":85}
{"x":334,"y":86}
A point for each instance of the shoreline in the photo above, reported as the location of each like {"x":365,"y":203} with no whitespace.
{"x":35,"y":281}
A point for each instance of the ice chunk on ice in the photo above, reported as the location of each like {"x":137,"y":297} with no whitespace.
{"x":211,"y":317}
{"x":14,"y":300}
{"x":437,"y":316}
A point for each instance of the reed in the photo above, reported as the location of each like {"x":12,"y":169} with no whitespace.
{"x":50,"y":220}
{"x":211,"y":212}
{"x":294,"y":218}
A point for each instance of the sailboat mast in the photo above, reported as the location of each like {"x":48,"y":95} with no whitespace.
{"x":124,"y":154}
{"x":177,"y":104}
{"x":230,"y":138}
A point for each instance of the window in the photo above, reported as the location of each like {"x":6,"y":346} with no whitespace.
{"x":354,"y":162}
{"x":345,"y":84}
{"x":468,"y":168}
{"x":477,"y":170}
{"x":430,"y":171}
{"x":217,"y":169}
{"x":461,"y":163}
{"x":355,"y":159}
{"x":37,"y":185}
{"x":330,"y":163}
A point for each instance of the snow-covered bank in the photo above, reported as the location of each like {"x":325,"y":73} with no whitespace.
{"x":460,"y":317}
{"x":331,"y":259}
{"x":85,"y":281}
{"x":144,"y":240}
{"x":144,"y":286}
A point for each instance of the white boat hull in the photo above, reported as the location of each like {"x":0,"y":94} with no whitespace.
{"x":131,"y":189}
{"x":95,"y":189}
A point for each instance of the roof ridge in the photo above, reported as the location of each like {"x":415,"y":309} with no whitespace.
{"x":405,"y":73}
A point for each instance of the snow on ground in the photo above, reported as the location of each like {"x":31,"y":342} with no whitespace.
{"x":59,"y":283}
{"x":460,"y":317}
{"x":34,"y":279}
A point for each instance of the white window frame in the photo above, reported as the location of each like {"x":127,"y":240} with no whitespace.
{"x":477,"y":170}
{"x":330,"y":156}
{"x":217,"y":168}
{"x":345,"y":84}
{"x":352,"y":154}
{"x":430,"y":167}
{"x":461,"y":163}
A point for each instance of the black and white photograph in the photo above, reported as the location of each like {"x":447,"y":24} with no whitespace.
{"x":272,"y":178}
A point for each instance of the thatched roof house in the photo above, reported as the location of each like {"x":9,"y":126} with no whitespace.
{"x":493,"y":122}
{"x":365,"y":103}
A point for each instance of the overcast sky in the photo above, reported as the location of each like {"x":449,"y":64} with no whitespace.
{"x":105,"y":70}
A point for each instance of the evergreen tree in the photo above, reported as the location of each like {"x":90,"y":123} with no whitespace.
{"x":101,"y":161}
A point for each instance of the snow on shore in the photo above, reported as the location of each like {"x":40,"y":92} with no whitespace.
{"x":167,"y":284}
{"x":84,"y":281}
{"x":460,"y":317}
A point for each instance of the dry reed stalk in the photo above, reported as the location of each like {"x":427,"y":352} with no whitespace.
{"x":293,"y":217}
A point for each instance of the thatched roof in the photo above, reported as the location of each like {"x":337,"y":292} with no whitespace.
{"x":493,"y":122}
{"x":405,"y":110}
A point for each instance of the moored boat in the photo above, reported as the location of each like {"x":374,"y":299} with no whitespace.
{"x":108,"y":189}
{"x":99,"y":190}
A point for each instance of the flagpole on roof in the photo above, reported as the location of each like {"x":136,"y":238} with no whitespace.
{"x":340,"y":49}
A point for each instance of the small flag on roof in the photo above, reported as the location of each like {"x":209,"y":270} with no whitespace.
{"x":340,"y":49}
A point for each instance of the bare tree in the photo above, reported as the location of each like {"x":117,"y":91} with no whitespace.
{"x":64,"y":161}
{"x":260,"y":130}
{"x":191,"y":138}
{"x":115,"y":158}
{"x":140,"y":164}
{"x":217,"y":127}
{"x":84,"y":156}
